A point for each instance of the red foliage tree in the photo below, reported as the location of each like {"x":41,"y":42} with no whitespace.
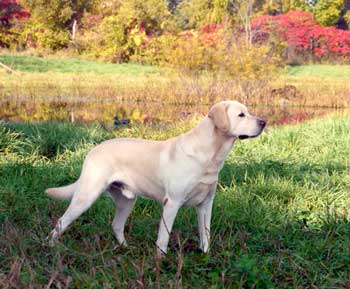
{"x":11,"y":14}
{"x":9,"y":10}
{"x":304,"y":34}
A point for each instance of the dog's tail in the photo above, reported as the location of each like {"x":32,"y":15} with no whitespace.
{"x":63,"y":193}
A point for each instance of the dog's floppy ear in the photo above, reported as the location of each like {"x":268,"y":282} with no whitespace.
{"x":218,"y":113}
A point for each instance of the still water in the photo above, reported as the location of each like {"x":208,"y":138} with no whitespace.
{"x":151,"y":113}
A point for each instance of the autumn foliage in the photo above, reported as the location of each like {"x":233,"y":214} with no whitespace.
{"x":9,"y":10}
{"x":303,"y":35}
{"x":12,"y":16}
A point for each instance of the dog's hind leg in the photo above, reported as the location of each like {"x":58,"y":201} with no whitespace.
{"x":124,"y":207}
{"x":89,"y":189}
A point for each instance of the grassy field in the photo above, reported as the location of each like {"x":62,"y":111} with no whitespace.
{"x":66,"y":65}
{"x":280,"y":218}
{"x":69,"y":65}
{"x":322,"y":71}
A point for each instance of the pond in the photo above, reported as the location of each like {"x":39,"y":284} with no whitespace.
{"x":141,"y":112}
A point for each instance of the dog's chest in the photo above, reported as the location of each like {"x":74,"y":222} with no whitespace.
{"x":191,"y":177}
{"x":199,"y":193}
{"x":204,"y":184}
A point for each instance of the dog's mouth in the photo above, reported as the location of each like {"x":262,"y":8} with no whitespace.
{"x":243,"y":136}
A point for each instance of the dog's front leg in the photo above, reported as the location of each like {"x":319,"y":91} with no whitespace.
{"x":170,"y":209}
{"x":204,"y":216}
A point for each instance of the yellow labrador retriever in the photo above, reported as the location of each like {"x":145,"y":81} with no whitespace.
{"x":181,"y":171}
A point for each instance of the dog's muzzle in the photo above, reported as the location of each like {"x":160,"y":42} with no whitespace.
{"x":261,"y":123}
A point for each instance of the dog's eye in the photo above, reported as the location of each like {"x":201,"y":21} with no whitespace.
{"x":241,"y":114}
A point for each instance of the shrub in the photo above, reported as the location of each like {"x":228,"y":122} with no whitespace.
{"x":304,"y":36}
{"x":38,"y":35}
{"x":194,"y":51}
{"x":223,"y":55}
{"x":154,"y":50}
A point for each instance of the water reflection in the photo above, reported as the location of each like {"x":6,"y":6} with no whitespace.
{"x":151,"y":112}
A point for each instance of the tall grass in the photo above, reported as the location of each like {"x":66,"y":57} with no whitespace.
{"x":280,"y":217}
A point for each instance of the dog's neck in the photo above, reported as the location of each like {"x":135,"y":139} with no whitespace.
{"x":209,"y":144}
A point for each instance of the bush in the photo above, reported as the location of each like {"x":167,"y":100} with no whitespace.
{"x":37,"y":35}
{"x":188,"y":54}
{"x":154,"y":50}
{"x":221,"y":54}
{"x":303,"y":35}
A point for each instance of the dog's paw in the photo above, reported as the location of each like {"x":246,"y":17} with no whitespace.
{"x":52,"y":238}
{"x":123,"y":244}
{"x":160,"y":254}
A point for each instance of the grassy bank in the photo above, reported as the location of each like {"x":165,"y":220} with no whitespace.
{"x":280,"y":218}
{"x":321,"y":71}
{"x":71,"y":65}
{"x":66,"y":65}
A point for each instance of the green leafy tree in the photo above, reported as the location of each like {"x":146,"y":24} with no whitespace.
{"x":57,"y":13}
{"x":195,"y":13}
{"x":52,"y":20}
{"x":328,"y":12}
{"x":283,"y":6}
{"x":150,"y":13}
{"x":121,"y":33}
{"x":299,"y":5}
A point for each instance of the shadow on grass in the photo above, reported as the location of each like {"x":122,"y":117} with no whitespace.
{"x":294,"y":171}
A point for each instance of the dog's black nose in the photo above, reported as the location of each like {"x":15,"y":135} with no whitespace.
{"x":262,"y":122}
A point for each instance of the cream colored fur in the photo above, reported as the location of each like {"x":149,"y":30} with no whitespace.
{"x":181,"y":171}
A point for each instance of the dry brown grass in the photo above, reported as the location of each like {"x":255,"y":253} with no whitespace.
{"x":168,"y":88}
{"x":318,"y":92}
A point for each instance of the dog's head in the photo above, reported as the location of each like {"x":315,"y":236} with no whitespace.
{"x":232,"y":119}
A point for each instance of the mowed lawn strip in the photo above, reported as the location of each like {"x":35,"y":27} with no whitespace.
{"x":66,"y":65}
{"x":280,"y":217}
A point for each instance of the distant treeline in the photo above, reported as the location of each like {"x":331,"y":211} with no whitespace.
{"x":146,"y":30}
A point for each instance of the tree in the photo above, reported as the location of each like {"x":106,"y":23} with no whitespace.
{"x":328,"y":12}
{"x":196,"y":13}
{"x":52,"y":21}
{"x":10,"y":10}
{"x":11,"y":13}
{"x":57,"y":13}
{"x":120,"y":34}
{"x":245,"y":9}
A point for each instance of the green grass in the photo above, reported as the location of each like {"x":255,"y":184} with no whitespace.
{"x":75,"y":65}
{"x":280,"y":218}
{"x":65,"y":65}
{"x":321,"y":70}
